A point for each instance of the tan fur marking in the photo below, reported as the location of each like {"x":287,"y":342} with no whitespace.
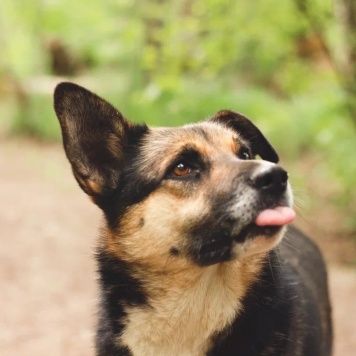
{"x":114,"y":144}
{"x":107,"y":241}
{"x":235,"y":146}
{"x":186,"y":311}
{"x":93,"y":186}
{"x":165,"y":218}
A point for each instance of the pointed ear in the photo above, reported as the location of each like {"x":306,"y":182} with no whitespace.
{"x":94,"y":137}
{"x":249,"y":132}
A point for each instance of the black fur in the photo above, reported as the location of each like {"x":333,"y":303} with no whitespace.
{"x":259,"y":144}
{"x":132,"y":188}
{"x":118,"y":289}
{"x":280,"y":316}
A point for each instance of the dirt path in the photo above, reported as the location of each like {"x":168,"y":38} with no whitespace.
{"x":47,"y":231}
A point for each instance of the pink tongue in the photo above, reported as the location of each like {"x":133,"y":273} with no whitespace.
{"x":281,"y":215}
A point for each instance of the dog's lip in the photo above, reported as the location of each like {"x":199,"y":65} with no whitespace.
{"x":252,"y":230}
{"x":278,"y":216}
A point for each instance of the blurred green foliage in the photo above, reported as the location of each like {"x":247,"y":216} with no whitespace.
{"x":168,"y":62}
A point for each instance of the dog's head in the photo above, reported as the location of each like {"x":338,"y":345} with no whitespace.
{"x":193,"y":194}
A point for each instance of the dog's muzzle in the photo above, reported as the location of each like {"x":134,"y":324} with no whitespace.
{"x":259,"y":205}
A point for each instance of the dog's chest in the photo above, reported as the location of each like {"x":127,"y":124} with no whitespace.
{"x":182,"y":322}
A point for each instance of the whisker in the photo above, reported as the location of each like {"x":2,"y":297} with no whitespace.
{"x":271,"y":269}
{"x":290,"y":245}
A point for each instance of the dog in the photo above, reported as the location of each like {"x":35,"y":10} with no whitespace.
{"x":191,"y":259}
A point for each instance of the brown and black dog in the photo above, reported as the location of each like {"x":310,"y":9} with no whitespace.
{"x":190,"y":257}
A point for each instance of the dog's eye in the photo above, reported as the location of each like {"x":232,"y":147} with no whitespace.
{"x":186,"y":167}
{"x":244,"y":154}
{"x":181,"y":169}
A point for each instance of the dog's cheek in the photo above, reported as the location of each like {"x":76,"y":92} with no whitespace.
{"x":152,"y":233}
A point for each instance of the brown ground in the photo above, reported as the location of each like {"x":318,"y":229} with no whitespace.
{"x":47,"y":275}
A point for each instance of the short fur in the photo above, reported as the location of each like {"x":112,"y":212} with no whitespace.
{"x":183,"y":268}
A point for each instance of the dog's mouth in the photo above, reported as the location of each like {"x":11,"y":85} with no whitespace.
{"x":220,"y":246}
{"x":267,"y":223}
{"x":252,"y":230}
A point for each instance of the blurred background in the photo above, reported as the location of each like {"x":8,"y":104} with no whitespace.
{"x":290,"y":67}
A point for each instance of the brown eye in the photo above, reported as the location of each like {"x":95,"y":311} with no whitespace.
{"x":181,"y":169}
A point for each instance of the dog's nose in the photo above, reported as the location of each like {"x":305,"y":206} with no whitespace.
{"x":273,"y":180}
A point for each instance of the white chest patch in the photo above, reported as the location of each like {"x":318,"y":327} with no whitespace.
{"x":182,"y":321}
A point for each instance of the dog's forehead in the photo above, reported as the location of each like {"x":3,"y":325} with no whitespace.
{"x":202,"y":136}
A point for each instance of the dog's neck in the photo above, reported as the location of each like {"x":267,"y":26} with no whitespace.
{"x":177,"y":313}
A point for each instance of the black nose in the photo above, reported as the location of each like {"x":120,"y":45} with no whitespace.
{"x":273,"y":180}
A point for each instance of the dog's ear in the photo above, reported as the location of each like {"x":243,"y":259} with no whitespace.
{"x":249,"y":132}
{"x":94,"y":138}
